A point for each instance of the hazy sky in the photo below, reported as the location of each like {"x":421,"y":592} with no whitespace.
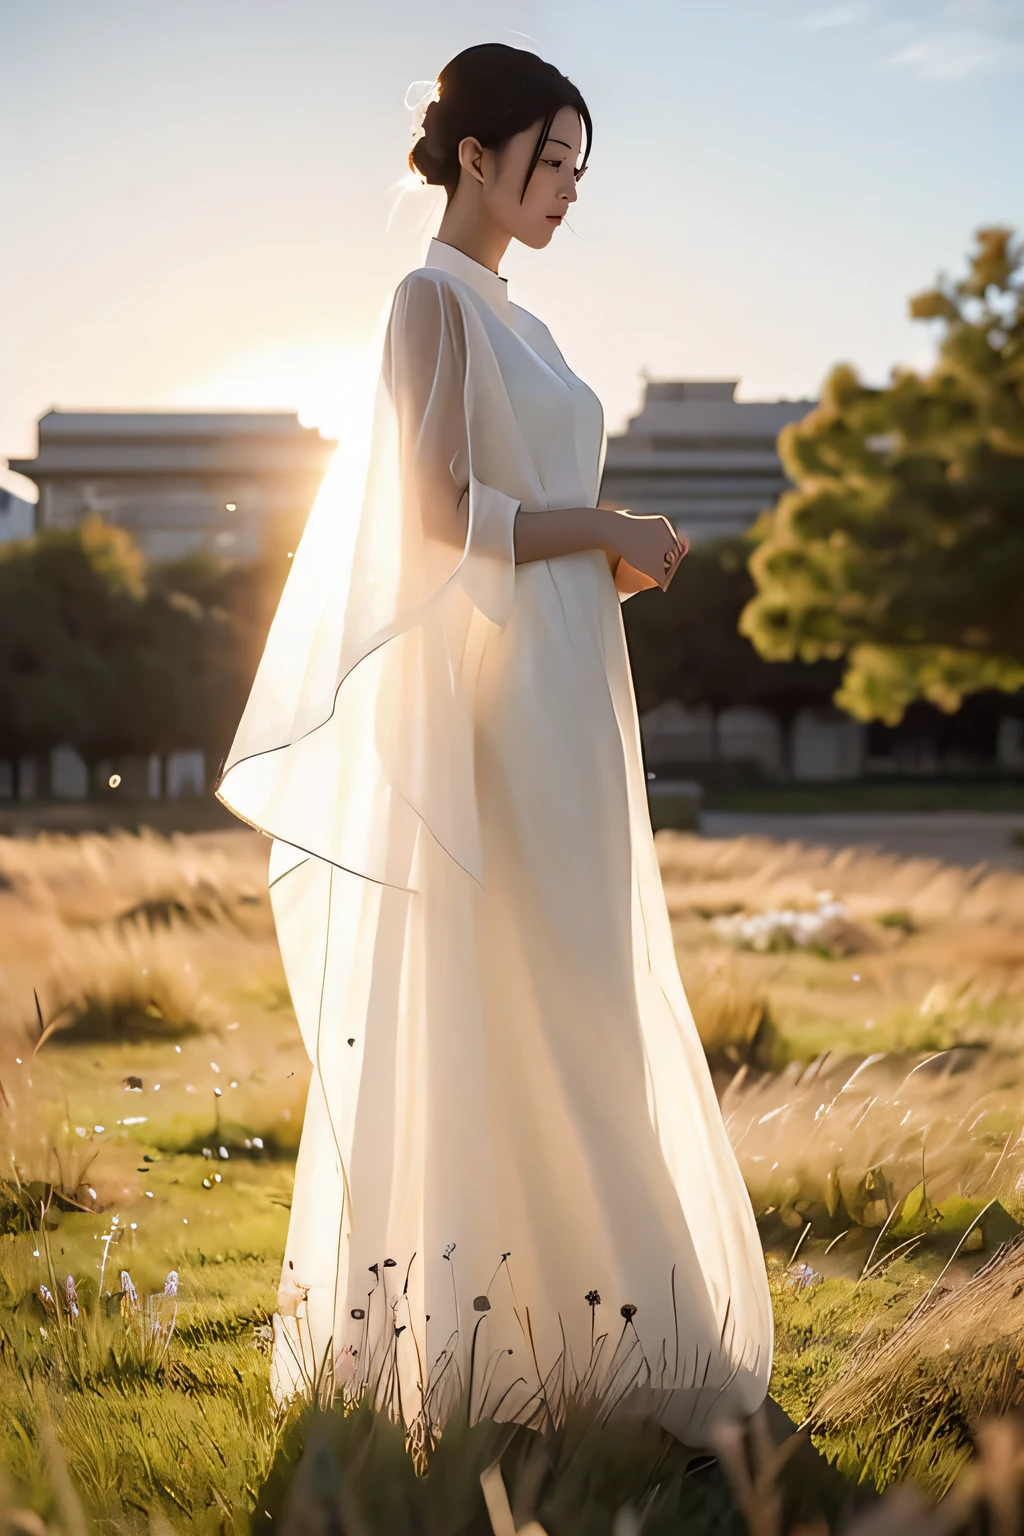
{"x":193,"y":195}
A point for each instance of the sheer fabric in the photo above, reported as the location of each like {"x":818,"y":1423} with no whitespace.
{"x":514,"y":1178}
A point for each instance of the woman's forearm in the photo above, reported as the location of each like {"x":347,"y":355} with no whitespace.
{"x":565,"y":531}
{"x":642,"y":551}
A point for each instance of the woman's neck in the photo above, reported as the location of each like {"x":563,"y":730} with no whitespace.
{"x":478,"y":238}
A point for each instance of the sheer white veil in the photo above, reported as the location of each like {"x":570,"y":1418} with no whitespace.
{"x":357,"y":727}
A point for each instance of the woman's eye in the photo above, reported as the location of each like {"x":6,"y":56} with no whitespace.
{"x":556,"y":163}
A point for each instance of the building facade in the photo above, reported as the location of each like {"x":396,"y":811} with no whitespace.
{"x":709,"y":463}
{"x":219,"y":482}
{"x":17,"y":517}
{"x":700,"y":457}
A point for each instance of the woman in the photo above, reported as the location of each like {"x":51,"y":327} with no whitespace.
{"x":514,"y":1182}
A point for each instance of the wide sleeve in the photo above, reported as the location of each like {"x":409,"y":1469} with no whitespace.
{"x":358,"y":730}
{"x":446,"y":402}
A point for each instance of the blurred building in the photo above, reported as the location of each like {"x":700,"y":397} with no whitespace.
{"x":222,"y":482}
{"x":17,"y":517}
{"x":700,"y":457}
{"x":709,"y":463}
{"x":743,"y":745}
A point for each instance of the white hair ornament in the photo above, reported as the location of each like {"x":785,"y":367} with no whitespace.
{"x":418,"y":97}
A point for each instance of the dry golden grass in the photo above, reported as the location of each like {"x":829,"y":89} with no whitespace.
{"x":158,"y":958}
{"x":158,"y":981}
{"x":842,"y":1143}
{"x":95,"y":879}
{"x":728,"y":997}
{"x":751,"y":873}
{"x":905,"y":1057}
{"x":942,"y":960}
{"x":915,"y":1385}
{"x":116,"y":927}
{"x":126,"y":981}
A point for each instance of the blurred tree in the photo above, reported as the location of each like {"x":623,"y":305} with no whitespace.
{"x":99,"y":653}
{"x":684,"y":645}
{"x":902,"y":546}
{"x":233,"y":603}
{"x":63,"y":595}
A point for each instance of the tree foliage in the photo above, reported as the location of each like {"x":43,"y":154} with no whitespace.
{"x":901,"y":549}
{"x":685,"y":645}
{"x":103,"y":654}
{"x":64,"y":599}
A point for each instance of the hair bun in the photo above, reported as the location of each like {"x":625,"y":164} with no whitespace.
{"x":429,"y":153}
{"x":429,"y":165}
{"x":489,"y":92}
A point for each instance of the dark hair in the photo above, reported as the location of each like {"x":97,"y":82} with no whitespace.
{"x":490,"y":93}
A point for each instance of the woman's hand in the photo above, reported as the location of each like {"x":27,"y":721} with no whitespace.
{"x":649,"y":551}
{"x":641,"y":551}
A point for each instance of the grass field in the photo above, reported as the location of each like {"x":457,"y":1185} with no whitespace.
{"x":864,"y":1017}
{"x":899,"y":795}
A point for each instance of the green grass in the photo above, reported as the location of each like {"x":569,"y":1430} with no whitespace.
{"x":867,"y":795}
{"x":190,"y":1433}
{"x":197,"y":1438}
{"x":205,"y":813}
{"x":119,"y":1125}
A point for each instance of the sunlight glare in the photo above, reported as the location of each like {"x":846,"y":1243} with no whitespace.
{"x":330,"y":386}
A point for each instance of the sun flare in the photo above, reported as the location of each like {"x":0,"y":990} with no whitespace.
{"x":328,"y":385}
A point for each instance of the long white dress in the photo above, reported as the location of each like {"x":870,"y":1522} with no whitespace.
{"x":514,"y":1180}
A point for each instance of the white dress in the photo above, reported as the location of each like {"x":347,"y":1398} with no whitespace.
{"x":514,"y":1180}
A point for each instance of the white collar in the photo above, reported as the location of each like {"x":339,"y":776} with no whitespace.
{"x":481,"y":279}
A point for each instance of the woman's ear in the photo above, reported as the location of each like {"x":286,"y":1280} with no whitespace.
{"x":471,"y":157}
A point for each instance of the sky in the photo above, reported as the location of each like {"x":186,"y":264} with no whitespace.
{"x":198,"y":201}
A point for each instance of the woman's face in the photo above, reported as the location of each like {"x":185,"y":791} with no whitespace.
{"x":551,"y":189}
